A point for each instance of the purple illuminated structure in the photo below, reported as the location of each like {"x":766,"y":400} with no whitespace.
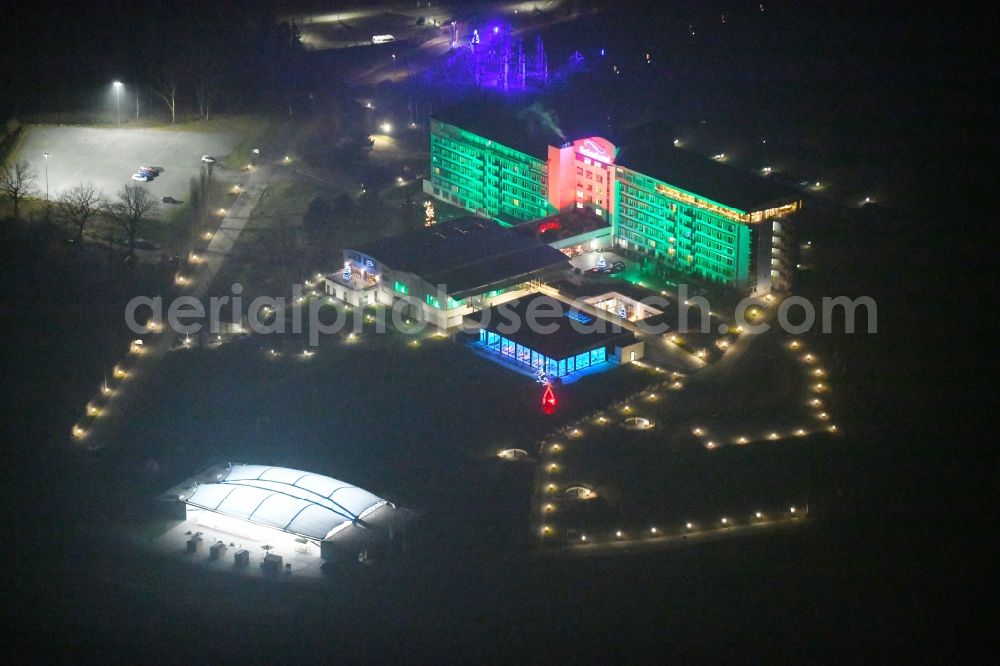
{"x":503,"y":63}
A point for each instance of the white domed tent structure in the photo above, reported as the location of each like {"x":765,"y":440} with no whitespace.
{"x":266,"y":503}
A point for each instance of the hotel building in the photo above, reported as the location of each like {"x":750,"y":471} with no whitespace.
{"x":681,"y":214}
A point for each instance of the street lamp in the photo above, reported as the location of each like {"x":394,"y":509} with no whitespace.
{"x":118,"y":100}
{"x":46,"y":156}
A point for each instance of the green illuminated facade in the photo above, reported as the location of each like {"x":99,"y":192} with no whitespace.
{"x":681,"y":232}
{"x":486,"y":177}
{"x":746,"y":243}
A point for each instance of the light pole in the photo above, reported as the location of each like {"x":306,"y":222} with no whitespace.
{"x":46,"y":156}
{"x":118,"y":100}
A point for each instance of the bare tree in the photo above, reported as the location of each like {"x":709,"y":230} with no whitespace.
{"x":17,"y":181}
{"x":131,"y":210}
{"x":79,"y":204}
{"x":167,"y":91}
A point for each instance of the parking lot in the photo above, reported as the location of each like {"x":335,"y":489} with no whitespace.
{"x":109,"y":157}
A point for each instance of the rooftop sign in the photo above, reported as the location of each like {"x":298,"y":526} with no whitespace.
{"x":596,"y":148}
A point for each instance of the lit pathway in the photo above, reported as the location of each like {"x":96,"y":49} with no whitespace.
{"x":631,"y":544}
{"x":112,"y":402}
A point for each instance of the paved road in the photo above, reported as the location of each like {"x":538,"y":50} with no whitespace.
{"x":109,"y":156}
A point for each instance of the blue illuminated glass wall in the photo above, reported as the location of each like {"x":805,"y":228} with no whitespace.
{"x":529,"y":357}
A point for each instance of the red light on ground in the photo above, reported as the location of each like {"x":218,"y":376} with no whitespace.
{"x":547,"y":226}
{"x":548,"y":400}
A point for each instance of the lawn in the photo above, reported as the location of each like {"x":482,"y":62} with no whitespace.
{"x":668,"y":475}
{"x":419,"y":425}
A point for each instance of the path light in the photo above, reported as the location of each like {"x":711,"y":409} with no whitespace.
{"x":800,"y":433}
{"x":618,"y":534}
{"x":556,"y":448}
{"x":546,"y":530}
{"x":833,"y":428}
{"x":652,"y":530}
{"x":792,"y":509}
{"x":773,"y":436}
{"x":553,"y":468}
{"x":549,"y":508}
{"x":583,"y":537}
{"x":742,"y":440}
{"x":698,"y":432}
{"x":816,"y":402}
{"x":709,"y":445}
{"x":689,"y":526}
{"x":725,"y":521}
{"x":758,"y":515}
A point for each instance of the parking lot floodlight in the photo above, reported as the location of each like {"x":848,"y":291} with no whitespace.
{"x":118,"y":100}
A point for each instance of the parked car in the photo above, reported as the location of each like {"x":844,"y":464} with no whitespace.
{"x":141,"y":177}
{"x":208,"y":159}
{"x":155,"y":169}
{"x":169,"y":200}
{"x":151,"y":174}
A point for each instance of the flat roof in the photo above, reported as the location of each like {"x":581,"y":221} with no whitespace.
{"x":468,"y":255}
{"x":573,"y":332}
{"x":657,"y":157}
{"x":525,"y":122}
{"x":561,"y":226}
{"x":531,"y":123}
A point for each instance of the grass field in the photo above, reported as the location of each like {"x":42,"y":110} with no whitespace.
{"x":420,"y":425}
